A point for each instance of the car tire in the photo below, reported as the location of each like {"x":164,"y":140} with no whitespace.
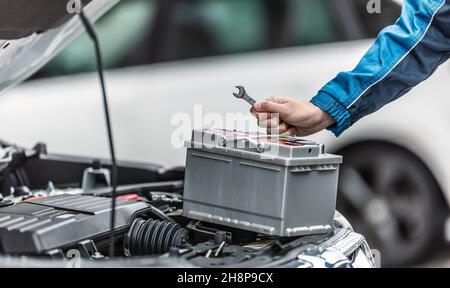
{"x":390,"y":196}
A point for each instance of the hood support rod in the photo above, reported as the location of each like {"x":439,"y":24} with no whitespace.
{"x":93,"y":35}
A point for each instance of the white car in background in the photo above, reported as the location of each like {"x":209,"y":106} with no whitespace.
{"x":172,"y":55}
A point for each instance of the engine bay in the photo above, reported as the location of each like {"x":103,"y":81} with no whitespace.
{"x":53,"y":205}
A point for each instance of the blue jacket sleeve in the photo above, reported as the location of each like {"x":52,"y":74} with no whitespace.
{"x":402,"y":56}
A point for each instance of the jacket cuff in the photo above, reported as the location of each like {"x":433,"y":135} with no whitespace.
{"x":336,"y":110}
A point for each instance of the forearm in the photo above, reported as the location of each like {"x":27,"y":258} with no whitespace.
{"x":402,"y":56}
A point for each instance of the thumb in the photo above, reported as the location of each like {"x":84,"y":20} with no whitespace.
{"x":270,"y":107}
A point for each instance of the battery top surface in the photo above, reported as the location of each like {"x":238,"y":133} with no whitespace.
{"x":285,"y":150}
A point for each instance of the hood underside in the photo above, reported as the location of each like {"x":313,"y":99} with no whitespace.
{"x":21,"y":18}
{"x":32,"y":32}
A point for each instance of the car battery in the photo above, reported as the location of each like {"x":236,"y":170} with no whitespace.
{"x":274,"y":185}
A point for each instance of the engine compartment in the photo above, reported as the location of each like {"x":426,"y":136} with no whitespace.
{"x":48,"y":212}
{"x":54,"y":226}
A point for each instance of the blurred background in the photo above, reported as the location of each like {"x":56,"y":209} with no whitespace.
{"x":165,"y":56}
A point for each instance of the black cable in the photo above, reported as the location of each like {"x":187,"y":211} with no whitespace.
{"x":93,"y":35}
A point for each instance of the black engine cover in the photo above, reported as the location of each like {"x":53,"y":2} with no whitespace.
{"x":46,"y":224}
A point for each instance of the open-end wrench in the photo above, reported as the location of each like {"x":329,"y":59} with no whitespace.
{"x":242,"y":94}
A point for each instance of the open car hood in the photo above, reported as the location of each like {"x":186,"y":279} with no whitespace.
{"x":32,"y":32}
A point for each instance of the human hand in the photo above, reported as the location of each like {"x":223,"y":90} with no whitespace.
{"x":290,"y":117}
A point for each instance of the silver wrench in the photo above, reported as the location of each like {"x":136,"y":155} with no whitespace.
{"x":242,"y":94}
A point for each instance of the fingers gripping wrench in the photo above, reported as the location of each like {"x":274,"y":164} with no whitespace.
{"x":242,"y":94}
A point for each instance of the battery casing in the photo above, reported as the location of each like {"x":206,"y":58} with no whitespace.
{"x":274,"y":186}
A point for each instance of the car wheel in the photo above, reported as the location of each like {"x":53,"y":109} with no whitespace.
{"x":391,"y":197}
